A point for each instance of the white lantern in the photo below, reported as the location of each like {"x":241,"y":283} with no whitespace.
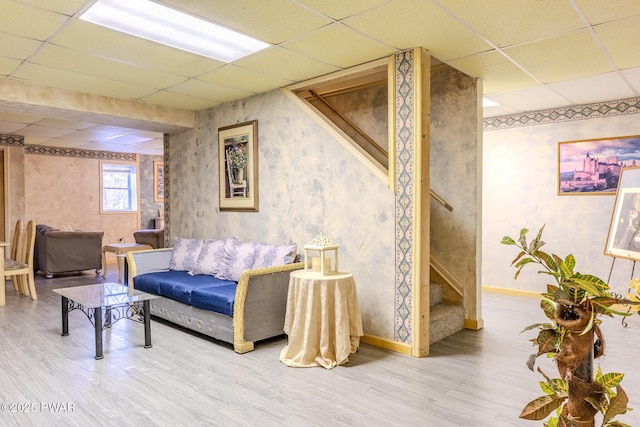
{"x":322,"y":263}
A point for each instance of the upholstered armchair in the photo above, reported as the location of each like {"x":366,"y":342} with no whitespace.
{"x":58,"y":251}
{"x":153,"y":238}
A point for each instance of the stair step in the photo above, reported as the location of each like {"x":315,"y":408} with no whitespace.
{"x":435,"y":294}
{"x":445,"y":320}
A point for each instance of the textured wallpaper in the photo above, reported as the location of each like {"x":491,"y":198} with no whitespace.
{"x":308,"y":184}
{"x":521,"y":191}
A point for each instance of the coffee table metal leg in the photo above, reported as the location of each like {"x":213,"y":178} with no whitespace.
{"x":146,"y":307}
{"x":65,"y":316}
{"x":97,"y":314}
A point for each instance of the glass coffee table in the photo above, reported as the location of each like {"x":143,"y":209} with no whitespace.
{"x":117,"y":301}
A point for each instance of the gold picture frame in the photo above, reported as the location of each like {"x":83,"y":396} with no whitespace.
{"x":238,"y":167}
{"x":158,"y":181}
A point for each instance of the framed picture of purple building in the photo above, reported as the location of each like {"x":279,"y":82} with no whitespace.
{"x":593,"y":166}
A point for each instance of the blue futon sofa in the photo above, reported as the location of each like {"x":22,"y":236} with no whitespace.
{"x":235,"y":295}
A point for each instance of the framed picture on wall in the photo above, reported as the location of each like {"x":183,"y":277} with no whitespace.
{"x":593,"y":166}
{"x":238,"y":166}
{"x":158,"y":181}
{"x":623,"y":239}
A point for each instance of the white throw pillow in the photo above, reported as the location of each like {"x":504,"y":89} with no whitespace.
{"x":212,"y":258}
{"x":185,"y":253}
{"x":270,"y":255}
{"x":239,"y":257}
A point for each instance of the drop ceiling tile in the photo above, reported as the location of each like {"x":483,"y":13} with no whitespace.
{"x":102,"y":131}
{"x":79,"y":82}
{"x":66,"y":7}
{"x":42,"y":23}
{"x":342,"y":9}
{"x":99,"y":41}
{"x":272,"y":21}
{"x":176,"y":100}
{"x":64,"y":124}
{"x":500,"y":110}
{"x":16,"y":47}
{"x":618,"y":37}
{"x":598,"y":11}
{"x":84,"y":63}
{"x":572,"y":55}
{"x":520,"y":22}
{"x":101,"y":146}
{"x":602,"y":87}
{"x":419,"y":23}
{"x":199,"y":89}
{"x":43,"y":131}
{"x":8,"y":66}
{"x":499,"y":74}
{"x":633,"y":77}
{"x":348,"y":47}
{"x":240,"y":78}
{"x":285,"y":64}
{"x":530,"y":99}
{"x":10,"y":127}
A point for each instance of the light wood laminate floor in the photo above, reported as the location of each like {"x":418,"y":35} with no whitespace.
{"x":474,"y":378}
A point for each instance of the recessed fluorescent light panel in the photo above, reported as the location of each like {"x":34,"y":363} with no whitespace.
{"x":488,"y":103}
{"x":161,"y":24}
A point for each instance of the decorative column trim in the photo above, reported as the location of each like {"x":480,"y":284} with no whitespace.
{"x":405,"y":190}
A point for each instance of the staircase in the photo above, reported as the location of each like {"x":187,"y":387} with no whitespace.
{"x":445,"y":319}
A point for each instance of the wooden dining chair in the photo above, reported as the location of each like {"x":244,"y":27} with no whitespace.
{"x":16,"y":244}
{"x":22,"y":267}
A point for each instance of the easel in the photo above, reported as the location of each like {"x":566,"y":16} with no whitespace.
{"x":633,"y":267}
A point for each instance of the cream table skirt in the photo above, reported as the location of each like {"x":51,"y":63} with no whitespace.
{"x":322,"y":320}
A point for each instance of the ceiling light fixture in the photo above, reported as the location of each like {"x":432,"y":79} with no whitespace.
{"x":488,"y":103}
{"x":161,"y":24}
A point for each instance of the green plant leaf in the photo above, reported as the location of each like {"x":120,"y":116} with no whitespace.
{"x":548,"y":340}
{"x":548,"y":308}
{"x":610,"y":380}
{"x":523,"y":238}
{"x":541,"y":407}
{"x":548,"y":261}
{"x":591,"y":284}
{"x":617,"y":406}
{"x":555,"y":386}
{"x":506,"y":240}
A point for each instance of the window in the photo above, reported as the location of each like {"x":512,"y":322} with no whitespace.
{"x":119,"y":187}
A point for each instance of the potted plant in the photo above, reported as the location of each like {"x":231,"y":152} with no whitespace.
{"x":574,"y":305}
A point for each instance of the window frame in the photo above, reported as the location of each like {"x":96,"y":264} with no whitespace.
{"x":134,"y":199}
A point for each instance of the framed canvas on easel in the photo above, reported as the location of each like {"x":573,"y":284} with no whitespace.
{"x":623,"y":239}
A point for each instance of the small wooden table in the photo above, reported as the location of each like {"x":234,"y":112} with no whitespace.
{"x":322,"y":320}
{"x":119,"y":249}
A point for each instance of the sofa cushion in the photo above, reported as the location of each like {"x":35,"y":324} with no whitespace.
{"x":216,"y":298}
{"x":185,"y":253}
{"x":212,"y":259}
{"x":181,"y":286}
{"x":270,"y":255}
{"x":239,"y":257}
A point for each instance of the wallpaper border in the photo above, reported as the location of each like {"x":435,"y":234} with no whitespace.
{"x":566,"y":114}
{"x":405,"y":130}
